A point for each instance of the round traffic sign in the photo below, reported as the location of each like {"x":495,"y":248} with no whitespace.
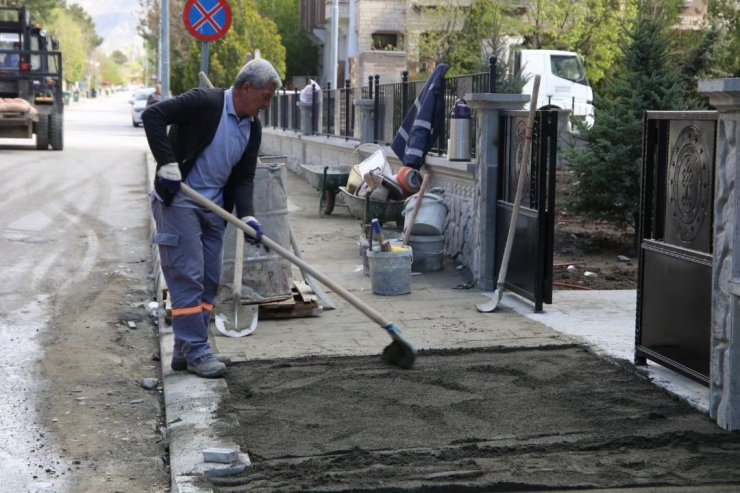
{"x":207,"y":20}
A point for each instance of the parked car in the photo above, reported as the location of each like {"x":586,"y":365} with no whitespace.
{"x":139,"y":104}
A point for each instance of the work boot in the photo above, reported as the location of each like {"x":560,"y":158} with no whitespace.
{"x":181,"y":364}
{"x":207,"y":366}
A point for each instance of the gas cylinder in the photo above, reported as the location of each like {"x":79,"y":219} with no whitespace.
{"x":459,"y":145}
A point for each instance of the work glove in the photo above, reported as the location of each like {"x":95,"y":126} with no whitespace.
{"x":168,"y":181}
{"x":253,"y":223}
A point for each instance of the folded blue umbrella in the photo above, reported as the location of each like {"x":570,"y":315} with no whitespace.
{"x":423,"y":122}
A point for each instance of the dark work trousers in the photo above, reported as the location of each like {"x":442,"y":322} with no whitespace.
{"x":190,"y":244}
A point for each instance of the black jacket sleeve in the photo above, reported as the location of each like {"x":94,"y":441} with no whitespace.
{"x":184,"y":111}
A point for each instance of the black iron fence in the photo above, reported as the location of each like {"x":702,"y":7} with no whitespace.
{"x":333,"y":109}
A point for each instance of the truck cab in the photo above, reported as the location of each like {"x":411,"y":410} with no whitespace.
{"x":30,"y":70}
{"x":563,"y":82}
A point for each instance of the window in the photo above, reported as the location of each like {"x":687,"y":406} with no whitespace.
{"x":35,"y":58}
{"x":568,"y":67}
{"x":9,"y":41}
{"x":385,"y":41}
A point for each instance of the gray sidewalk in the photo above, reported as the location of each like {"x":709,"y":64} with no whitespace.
{"x":434,"y":315}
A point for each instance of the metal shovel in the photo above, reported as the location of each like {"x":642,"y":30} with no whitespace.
{"x":236,"y":291}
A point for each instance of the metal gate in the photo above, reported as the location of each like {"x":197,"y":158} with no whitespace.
{"x":530,"y":266}
{"x":675,"y":259}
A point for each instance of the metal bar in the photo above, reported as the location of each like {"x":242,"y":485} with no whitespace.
{"x":376,"y":110}
{"x":328,"y":129}
{"x":284,"y":110}
{"x":404,"y":93}
{"x":442,"y":141}
{"x":294,"y":109}
{"x":492,"y":60}
{"x":650,"y":133}
{"x":681,"y":115}
{"x":314,"y":110}
{"x":550,"y":208}
{"x":540,"y":189}
{"x":671,"y":363}
{"x":346,"y":108}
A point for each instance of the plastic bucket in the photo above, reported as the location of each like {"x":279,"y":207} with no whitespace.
{"x":428,"y":252}
{"x":390,"y":272}
{"x":430,"y":220}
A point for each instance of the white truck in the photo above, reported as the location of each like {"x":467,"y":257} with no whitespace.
{"x":563,"y":82}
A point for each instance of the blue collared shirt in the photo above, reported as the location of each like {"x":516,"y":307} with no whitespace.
{"x":213,"y":167}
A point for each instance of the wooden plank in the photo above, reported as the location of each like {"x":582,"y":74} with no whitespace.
{"x":272,"y":311}
{"x":305,"y":292}
{"x":303,"y":304}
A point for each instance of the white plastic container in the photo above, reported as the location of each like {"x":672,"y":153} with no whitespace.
{"x":430,"y":220}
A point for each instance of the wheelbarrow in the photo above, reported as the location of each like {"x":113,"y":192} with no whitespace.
{"x":327,"y":180}
{"x":365,"y":209}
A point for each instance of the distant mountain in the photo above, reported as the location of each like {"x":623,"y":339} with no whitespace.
{"x":118,"y":32}
{"x":115,"y":22}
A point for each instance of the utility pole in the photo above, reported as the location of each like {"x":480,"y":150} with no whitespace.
{"x":164,"y":55}
{"x":334,"y":43}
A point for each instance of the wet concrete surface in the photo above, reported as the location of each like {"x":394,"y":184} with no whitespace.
{"x":511,"y":419}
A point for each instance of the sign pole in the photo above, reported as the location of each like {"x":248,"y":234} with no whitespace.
{"x":204,"y":59}
{"x":164,"y":56}
{"x":206,"y":20}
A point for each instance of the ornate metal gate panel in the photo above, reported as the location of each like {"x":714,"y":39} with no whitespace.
{"x":530,"y":266}
{"x":675,"y":260}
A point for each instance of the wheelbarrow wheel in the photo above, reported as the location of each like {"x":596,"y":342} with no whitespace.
{"x":328,"y":200}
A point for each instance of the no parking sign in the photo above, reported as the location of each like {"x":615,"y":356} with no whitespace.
{"x":207,"y":20}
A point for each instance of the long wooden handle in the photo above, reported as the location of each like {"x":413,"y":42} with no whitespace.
{"x":276,"y":247}
{"x":419,"y":197}
{"x":520,"y":184}
{"x":204,"y":79}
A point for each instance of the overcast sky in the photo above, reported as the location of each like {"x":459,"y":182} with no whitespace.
{"x":115,"y":21}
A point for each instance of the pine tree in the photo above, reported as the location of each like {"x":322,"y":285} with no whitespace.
{"x":607,"y":170}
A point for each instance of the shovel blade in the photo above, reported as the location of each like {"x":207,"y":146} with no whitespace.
{"x":491,"y":305}
{"x":400,"y":352}
{"x":231,"y":329}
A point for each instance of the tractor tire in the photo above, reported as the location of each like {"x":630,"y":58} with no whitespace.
{"x":56,"y":131}
{"x":42,"y":133}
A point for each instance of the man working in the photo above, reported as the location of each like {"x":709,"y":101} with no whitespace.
{"x":212,"y":144}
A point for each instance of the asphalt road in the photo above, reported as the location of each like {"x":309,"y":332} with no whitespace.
{"x":60,"y":214}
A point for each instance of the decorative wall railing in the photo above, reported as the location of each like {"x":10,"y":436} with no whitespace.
{"x":331,"y":111}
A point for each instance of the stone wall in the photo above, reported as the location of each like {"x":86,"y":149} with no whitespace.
{"x":724,"y":396}
{"x":373,"y":16}
{"x":387,"y":64}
